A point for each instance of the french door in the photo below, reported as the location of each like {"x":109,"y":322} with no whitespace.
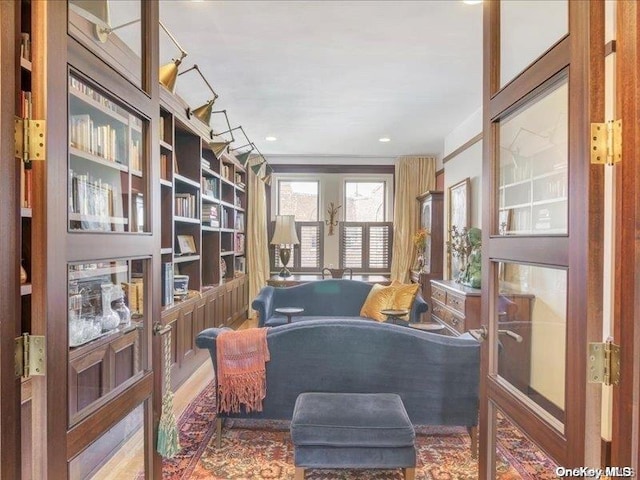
{"x":542,"y":230}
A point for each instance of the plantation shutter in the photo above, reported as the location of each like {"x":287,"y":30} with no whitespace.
{"x":366,"y":246}
{"x":309,"y":252}
{"x":308,"y":255}
{"x":380,"y":247}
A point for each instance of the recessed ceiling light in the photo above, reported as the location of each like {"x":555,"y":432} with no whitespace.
{"x":472,"y":2}
{"x":384,"y":139}
{"x":270,"y":138}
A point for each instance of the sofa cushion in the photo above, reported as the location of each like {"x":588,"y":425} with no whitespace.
{"x":397,"y":296}
{"x":282,"y":320}
{"x":351,"y":420}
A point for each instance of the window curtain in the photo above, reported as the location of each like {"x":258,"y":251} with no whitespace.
{"x":257,"y":242}
{"x":414,"y":175}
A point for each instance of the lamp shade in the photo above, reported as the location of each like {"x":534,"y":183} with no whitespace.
{"x":203,"y":112}
{"x":218,"y":148}
{"x":285,"y":232}
{"x":243,"y":158}
{"x":169,"y":75}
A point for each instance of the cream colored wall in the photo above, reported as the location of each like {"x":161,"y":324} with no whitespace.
{"x":466,"y":164}
{"x":332,"y":190}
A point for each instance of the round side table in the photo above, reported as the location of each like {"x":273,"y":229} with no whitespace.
{"x":428,"y":327}
{"x":289,"y":312}
{"x":393,"y":315}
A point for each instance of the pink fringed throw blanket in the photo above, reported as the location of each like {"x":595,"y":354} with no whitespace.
{"x":241,"y":357}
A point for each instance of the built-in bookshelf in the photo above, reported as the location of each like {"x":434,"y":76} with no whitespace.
{"x":106,"y":181}
{"x":203,"y":207}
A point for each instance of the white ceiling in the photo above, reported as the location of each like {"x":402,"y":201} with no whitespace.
{"x":331,"y":77}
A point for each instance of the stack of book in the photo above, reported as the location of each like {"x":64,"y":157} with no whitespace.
{"x":210,"y":215}
{"x":186,"y":205}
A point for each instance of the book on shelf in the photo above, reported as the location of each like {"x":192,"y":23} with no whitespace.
{"x":239,"y":222}
{"x":100,"y":140}
{"x":210,"y":215}
{"x":91,"y":94}
{"x":161,"y":126}
{"x":185,"y":205}
{"x":226,"y":171}
{"x":224,"y":217}
{"x":134,"y":293}
{"x":167,"y":283}
{"x":239,"y":244}
{"x":93,"y":196}
{"x":165,"y":172}
{"x":25,"y":46}
{"x":135,"y":160}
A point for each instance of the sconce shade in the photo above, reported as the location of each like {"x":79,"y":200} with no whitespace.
{"x":243,"y":158}
{"x":203,"y":112}
{"x":96,"y":11}
{"x":267,"y":179}
{"x":218,"y":148}
{"x":169,"y":75}
{"x":285,"y":231}
{"x":257,"y":167}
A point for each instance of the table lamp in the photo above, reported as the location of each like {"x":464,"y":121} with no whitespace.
{"x":285,"y":235}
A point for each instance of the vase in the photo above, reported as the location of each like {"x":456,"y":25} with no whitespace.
{"x":110,"y":319}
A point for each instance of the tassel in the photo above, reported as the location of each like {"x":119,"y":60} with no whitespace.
{"x":168,"y":444}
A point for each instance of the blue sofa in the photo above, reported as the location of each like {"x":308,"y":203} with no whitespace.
{"x":436,"y":376}
{"x":335,"y":298}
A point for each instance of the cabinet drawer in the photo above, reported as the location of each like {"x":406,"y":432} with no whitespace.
{"x":455,"y":302}
{"x":449,"y":317}
{"x":438,"y":294}
{"x":457,"y":323}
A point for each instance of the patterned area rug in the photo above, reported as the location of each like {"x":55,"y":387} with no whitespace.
{"x":262,"y":450}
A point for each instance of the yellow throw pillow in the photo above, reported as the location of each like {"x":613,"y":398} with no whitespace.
{"x":397,"y":296}
{"x":379,"y":298}
{"x":404,"y":295}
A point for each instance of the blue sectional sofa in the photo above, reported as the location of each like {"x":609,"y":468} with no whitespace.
{"x":335,"y":298}
{"x":436,"y":376}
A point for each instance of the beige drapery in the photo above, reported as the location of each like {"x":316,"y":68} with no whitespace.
{"x":256,"y":235}
{"x":414,"y":175}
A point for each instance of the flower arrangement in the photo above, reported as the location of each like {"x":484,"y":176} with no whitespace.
{"x":420,"y":239}
{"x":465,"y":246}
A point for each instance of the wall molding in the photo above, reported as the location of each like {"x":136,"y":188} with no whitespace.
{"x":462,"y":148}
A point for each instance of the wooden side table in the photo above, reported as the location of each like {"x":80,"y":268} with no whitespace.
{"x":289,"y":312}
{"x":393,"y":315}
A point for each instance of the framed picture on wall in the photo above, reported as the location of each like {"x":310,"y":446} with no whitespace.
{"x":459,"y":214}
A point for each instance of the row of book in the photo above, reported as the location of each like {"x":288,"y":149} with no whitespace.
{"x":162,"y":129}
{"x":97,"y":97}
{"x":186,"y":205}
{"x":225,"y":217}
{"x":134,"y":293}
{"x":93,"y":196}
{"x":101,"y":140}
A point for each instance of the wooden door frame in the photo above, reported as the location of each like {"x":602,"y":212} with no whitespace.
{"x":583,"y":49}
{"x":625,"y":445}
{"x":10,"y":221}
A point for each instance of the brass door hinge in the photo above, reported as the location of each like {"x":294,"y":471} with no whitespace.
{"x":606,"y":142}
{"x":30,"y":355}
{"x":603,"y":364}
{"x":30,"y":139}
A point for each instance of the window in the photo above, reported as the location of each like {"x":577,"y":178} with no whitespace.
{"x":364,"y":201}
{"x":365,"y":237}
{"x":301,"y":198}
{"x":366,"y":246}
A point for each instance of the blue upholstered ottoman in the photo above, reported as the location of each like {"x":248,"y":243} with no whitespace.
{"x":352,"y":430}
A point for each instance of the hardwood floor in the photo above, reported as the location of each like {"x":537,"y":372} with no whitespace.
{"x":129,"y":461}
